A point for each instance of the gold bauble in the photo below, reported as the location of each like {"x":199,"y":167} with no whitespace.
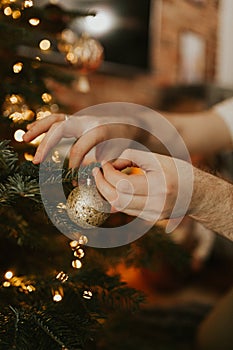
{"x":86,"y":54}
{"x":86,"y":207}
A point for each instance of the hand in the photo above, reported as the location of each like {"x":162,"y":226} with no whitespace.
{"x":90,"y":131}
{"x":151,"y":194}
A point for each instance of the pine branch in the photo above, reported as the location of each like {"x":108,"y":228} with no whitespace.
{"x":8,"y":159}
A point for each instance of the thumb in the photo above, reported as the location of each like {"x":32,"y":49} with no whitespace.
{"x":147,"y":161}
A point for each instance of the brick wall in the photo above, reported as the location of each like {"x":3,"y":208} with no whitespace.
{"x":178,"y":16}
{"x":169,"y":18}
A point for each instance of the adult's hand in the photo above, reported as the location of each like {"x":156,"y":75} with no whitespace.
{"x":90,"y":131}
{"x":150,"y":194}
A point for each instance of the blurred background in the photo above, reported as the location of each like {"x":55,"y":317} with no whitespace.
{"x":60,"y":57}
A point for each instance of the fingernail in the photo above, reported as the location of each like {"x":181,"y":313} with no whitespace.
{"x":95,"y":171}
{"x":36,"y":159}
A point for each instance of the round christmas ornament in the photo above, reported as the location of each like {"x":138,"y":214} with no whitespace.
{"x":86,"y":207}
{"x":86,"y":54}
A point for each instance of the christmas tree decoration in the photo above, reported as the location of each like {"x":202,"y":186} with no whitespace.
{"x":86,"y":207}
{"x":86,"y":54}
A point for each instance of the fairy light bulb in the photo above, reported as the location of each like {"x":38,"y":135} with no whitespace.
{"x":6,"y":284}
{"x":18,"y":135}
{"x":15,"y":99}
{"x":29,"y":157}
{"x":83,"y":240}
{"x":28,"y":3}
{"x":87,"y":294}
{"x":7,"y":11}
{"x":17,"y":67}
{"x":62,"y":277}
{"x":79,"y":253}
{"x":76,"y":264}
{"x":46,"y":97}
{"x":74,"y":244}
{"x":34,"y":21}
{"x":57,"y":296}
{"x":16,"y":14}
{"x":44,"y":44}
{"x":8,"y":275}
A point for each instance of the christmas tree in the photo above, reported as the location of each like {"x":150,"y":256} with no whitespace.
{"x":58,"y":293}
{"x":42,"y":307}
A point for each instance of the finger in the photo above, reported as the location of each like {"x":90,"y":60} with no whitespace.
{"x":120,"y":163}
{"x":131,"y":184}
{"x":52,"y":137}
{"x":40,"y":126}
{"x":147,"y":161}
{"x":84,"y":144}
{"x":107,"y":191}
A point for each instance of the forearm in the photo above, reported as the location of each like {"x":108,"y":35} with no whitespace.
{"x":212,"y":203}
{"x":203,"y":132}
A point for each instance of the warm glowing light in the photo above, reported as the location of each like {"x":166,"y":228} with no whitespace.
{"x":100,"y":23}
{"x":83,"y":239}
{"x":30,"y":288}
{"x":38,"y":58}
{"x":6,"y":284}
{"x":76,"y":264}
{"x":28,"y":157}
{"x":46,"y":97}
{"x":8,"y":275}
{"x":16,"y":14}
{"x":18,"y":135}
{"x":45,"y":44}
{"x":28,"y":3}
{"x":17,"y":67}
{"x":87,"y":294}
{"x":79,"y":253}
{"x":16,"y":117}
{"x":74,"y":244}
{"x":56,"y":157}
{"x":34,"y":21}
{"x":15,"y":99}
{"x":7,"y":11}
{"x":57,"y":297}
{"x":62,"y":276}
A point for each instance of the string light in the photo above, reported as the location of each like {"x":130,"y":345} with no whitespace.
{"x":8,"y":275}
{"x":6,"y":284}
{"x":62,"y":277}
{"x":30,"y":288}
{"x":18,"y":135}
{"x":17,"y":67}
{"x":87,"y":294}
{"x":57,"y":296}
{"x":28,"y":3}
{"x":29,"y":157}
{"x":79,"y":253}
{"x":16,"y":14}
{"x":83,"y":240}
{"x":74,"y":244}
{"x":44,"y":44}
{"x":15,"y":99}
{"x":46,"y":97}
{"x":7,"y":11}
{"x":77,"y":264}
{"x":56,"y":157}
{"x":34,"y":21}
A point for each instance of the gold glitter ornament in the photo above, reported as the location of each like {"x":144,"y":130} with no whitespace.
{"x":86,"y":207}
{"x":86,"y":54}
